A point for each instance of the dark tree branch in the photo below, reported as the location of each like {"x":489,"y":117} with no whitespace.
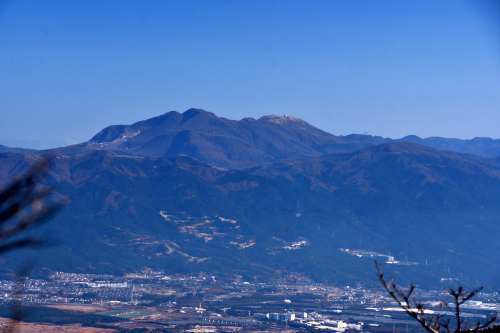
{"x":25,"y":204}
{"x":435,"y":323}
{"x":403,"y":300}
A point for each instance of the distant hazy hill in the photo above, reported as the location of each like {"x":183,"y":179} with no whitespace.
{"x":486,"y":147}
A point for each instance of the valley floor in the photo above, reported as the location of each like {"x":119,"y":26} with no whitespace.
{"x":153,"y":301}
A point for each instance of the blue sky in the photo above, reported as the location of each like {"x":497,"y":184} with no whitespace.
{"x":391,"y":68}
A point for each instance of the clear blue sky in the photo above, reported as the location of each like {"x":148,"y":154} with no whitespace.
{"x":391,"y":68}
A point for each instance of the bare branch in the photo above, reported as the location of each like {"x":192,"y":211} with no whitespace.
{"x":435,"y":323}
{"x":402,"y":299}
{"x":26,"y":204}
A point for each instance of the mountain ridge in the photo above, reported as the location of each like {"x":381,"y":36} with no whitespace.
{"x":218,"y":141}
{"x":247,"y":142}
{"x":325,"y":142}
{"x":120,"y":205}
{"x":295,"y":210}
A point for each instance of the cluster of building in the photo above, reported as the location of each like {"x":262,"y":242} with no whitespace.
{"x":310,"y":320}
{"x":202,"y":302}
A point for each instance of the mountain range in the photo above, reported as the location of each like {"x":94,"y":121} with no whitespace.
{"x":189,"y":192}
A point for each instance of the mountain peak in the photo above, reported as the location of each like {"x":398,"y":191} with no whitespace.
{"x":218,"y":141}
{"x":196,"y":111}
{"x":170,"y":117}
{"x":193,"y":113}
{"x":283,"y":119}
{"x":411,"y":138}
